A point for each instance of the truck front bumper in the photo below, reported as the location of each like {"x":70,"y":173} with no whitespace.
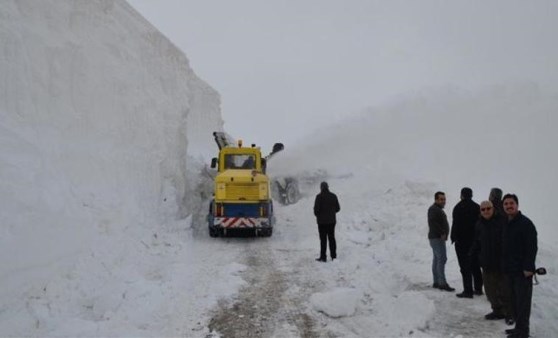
{"x":241,"y":222}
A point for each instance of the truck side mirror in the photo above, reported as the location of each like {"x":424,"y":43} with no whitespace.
{"x":214,"y":162}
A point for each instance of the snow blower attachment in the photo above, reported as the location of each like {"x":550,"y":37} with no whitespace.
{"x":242,"y":199}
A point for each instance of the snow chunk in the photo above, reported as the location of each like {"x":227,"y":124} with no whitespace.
{"x":410,"y":310}
{"x":341,"y":302}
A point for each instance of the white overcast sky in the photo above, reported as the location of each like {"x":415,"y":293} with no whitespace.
{"x":284,"y":68}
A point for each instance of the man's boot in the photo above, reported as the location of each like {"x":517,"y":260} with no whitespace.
{"x":465,"y":294}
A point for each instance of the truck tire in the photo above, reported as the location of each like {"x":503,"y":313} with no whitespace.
{"x":213,"y":232}
{"x":292,"y":193}
{"x":267,"y":232}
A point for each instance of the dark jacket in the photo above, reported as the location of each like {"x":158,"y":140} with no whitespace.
{"x":499,"y":208}
{"x":488,"y":242}
{"x":437,"y":222}
{"x":496,"y":199}
{"x":325,"y":207}
{"x":465,"y":215}
{"x":519,"y":245}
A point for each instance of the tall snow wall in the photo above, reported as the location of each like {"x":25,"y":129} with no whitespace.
{"x":97,"y":109}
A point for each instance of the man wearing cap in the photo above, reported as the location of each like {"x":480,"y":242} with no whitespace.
{"x":326,"y":206}
{"x":465,"y":216}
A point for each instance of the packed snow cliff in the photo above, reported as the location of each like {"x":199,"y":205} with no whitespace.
{"x":97,"y":113}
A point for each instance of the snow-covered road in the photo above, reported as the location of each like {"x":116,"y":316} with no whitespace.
{"x":175,"y":280}
{"x":379,"y":286}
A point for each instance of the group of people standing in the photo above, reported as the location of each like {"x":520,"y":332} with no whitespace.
{"x":496,"y":246}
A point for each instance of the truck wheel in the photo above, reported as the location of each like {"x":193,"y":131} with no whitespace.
{"x":213,"y":232}
{"x":292,"y":193}
{"x":267,"y":232}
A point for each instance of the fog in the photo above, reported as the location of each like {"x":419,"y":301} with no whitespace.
{"x":499,"y":137}
{"x":286,"y":68}
{"x":459,"y":94}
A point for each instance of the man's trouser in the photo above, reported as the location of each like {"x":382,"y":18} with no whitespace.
{"x":497,"y":290}
{"x":521,"y":288}
{"x":327,"y":232}
{"x":439,"y":260}
{"x":469,"y":268}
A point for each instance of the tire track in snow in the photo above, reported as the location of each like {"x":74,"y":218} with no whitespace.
{"x":263,"y":308}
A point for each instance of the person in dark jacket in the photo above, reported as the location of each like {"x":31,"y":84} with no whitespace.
{"x":488,"y":248}
{"x":496,"y":198}
{"x":438,"y":230}
{"x":465,"y":216}
{"x":519,"y":246}
{"x":326,"y":206}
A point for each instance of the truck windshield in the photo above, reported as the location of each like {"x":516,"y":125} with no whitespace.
{"x":240,"y":161}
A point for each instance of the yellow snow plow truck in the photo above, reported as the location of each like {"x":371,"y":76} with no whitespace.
{"x":242,"y":197}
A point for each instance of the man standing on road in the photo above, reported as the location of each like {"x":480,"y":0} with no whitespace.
{"x":438,"y":229}
{"x":519,"y":253}
{"x":465,"y":217}
{"x":488,"y":248}
{"x":326,"y":206}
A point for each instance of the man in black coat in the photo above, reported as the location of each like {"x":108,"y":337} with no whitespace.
{"x":326,"y":206}
{"x":496,"y":198}
{"x":519,"y":252}
{"x":465,"y":216}
{"x":488,"y":248}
